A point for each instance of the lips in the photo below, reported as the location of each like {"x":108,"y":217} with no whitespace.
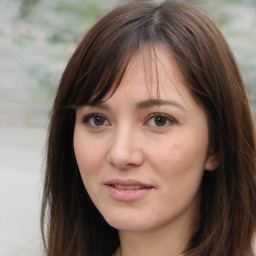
{"x":132,"y":187}
{"x":129,"y":184}
{"x":127,"y":190}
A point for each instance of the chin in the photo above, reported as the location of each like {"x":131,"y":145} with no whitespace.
{"x":128,"y":223}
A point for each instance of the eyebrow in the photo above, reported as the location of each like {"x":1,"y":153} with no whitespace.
{"x":144,"y":104}
{"x":158,"y":102}
{"x":100,"y":105}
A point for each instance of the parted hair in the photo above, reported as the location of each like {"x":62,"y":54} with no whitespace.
{"x":70,"y":223}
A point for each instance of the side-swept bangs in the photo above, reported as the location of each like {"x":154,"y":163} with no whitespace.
{"x":101,"y":59}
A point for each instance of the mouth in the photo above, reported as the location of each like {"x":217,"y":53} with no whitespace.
{"x":127,"y":190}
{"x":129,"y":187}
{"x":128,"y":184}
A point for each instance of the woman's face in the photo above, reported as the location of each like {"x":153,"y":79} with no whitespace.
{"x":142,"y":153}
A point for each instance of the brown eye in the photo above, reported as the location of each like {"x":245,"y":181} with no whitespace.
{"x":98,"y":120}
{"x":160,"y":120}
{"x":95,"y":121}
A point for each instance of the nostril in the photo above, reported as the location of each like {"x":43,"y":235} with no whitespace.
{"x":125,"y":159}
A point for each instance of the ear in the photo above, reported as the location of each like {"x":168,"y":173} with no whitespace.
{"x":212,"y":162}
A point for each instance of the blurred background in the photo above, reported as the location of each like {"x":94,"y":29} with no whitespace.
{"x":37,"y":37}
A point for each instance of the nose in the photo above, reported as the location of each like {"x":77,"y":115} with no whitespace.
{"x":125,"y":151}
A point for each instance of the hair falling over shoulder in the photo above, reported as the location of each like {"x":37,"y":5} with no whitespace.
{"x":70,"y":223}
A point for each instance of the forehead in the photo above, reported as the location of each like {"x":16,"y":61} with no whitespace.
{"x":154,"y":70}
{"x":154,"y":62}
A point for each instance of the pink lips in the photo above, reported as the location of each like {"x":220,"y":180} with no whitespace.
{"x":127,"y":190}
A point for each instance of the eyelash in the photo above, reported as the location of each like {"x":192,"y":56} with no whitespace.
{"x":168,"y":120}
{"x":89,"y":118}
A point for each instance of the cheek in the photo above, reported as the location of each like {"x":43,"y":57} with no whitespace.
{"x":189,"y":147}
{"x":181,"y":171}
{"x":88,"y":155}
{"x":89,"y":162}
{"x":182,"y":159}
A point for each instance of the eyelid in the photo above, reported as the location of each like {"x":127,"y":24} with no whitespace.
{"x":86,"y":119}
{"x":170,"y":119}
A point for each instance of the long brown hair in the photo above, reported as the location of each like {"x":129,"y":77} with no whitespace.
{"x":71,"y":225}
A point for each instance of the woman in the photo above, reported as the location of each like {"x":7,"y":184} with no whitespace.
{"x":151,"y":147}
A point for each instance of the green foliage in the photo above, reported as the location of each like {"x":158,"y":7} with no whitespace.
{"x":80,"y":9}
{"x":223,"y":19}
{"x":27,"y":6}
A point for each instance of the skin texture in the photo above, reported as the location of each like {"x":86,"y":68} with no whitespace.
{"x":151,"y":131}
